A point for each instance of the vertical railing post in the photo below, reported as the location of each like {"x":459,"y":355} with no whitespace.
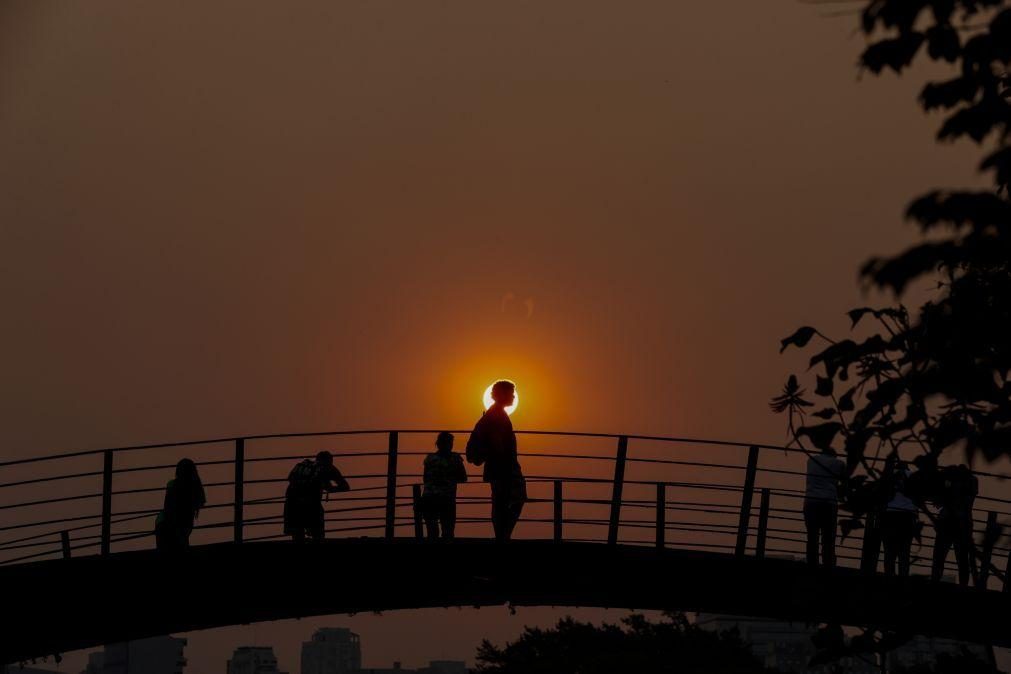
{"x":661,"y":515}
{"x":989,"y":537}
{"x":419,"y":529}
{"x":65,"y":543}
{"x":991,"y":657}
{"x":240,"y":479}
{"x":558,"y":511}
{"x":763,"y":524}
{"x":1007,"y":572}
{"x":617,"y":485}
{"x":391,"y":485}
{"x":107,"y":503}
{"x":746,"y":497}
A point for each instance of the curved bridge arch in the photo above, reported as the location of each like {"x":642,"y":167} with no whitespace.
{"x":86,"y":602}
{"x":649,"y":523}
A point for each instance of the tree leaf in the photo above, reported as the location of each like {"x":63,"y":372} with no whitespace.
{"x":895,"y":53}
{"x":799,"y":338}
{"x":835,"y":356}
{"x":943,"y":42}
{"x":824,"y":387}
{"x":856,"y":314}
{"x":821,"y":435}
{"x":846,"y":401}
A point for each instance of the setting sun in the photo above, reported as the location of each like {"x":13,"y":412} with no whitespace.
{"x":488,"y":400}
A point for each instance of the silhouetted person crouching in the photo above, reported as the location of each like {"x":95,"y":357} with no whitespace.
{"x":954,"y":522}
{"x":821,"y":505}
{"x":493,"y":444}
{"x":443,"y":471}
{"x":184,"y":497}
{"x":303,"y":501}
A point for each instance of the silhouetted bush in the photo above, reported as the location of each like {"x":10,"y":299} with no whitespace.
{"x":638,"y":645}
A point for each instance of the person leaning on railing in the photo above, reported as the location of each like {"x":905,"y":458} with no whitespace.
{"x":825,"y":472}
{"x":303,"y":500}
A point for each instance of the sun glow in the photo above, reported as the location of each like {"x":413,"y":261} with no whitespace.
{"x":488,"y":400}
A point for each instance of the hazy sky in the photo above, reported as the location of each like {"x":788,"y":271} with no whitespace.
{"x":233,"y":217}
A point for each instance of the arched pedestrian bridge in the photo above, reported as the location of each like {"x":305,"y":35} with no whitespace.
{"x":613,"y":521}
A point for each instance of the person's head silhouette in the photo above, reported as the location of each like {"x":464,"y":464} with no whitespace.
{"x":324,"y":459}
{"x":186,"y":471}
{"x":444,"y":442}
{"x":503,"y":392}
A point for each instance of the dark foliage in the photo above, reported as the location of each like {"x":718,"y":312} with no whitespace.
{"x":913,"y":383}
{"x":974,"y":36}
{"x":638,"y":645}
{"x":919,"y":382}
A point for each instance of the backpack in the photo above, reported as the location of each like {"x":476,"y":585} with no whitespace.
{"x":477,"y":446}
{"x":302,"y":477}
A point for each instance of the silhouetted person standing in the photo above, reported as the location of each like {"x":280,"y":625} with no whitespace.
{"x":443,"y":471}
{"x":954,"y":522}
{"x":184,"y":497}
{"x":493,"y":444}
{"x":821,"y":504}
{"x":303,"y":501}
{"x":898,"y":523}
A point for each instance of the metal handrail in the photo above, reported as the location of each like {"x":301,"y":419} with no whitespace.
{"x":390,"y":497}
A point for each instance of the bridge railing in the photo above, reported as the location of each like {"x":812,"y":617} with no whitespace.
{"x":729,"y":497}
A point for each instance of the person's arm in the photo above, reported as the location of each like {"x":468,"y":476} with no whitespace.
{"x":461,"y":470}
{"x":427,"y":473}
{"x":200,"y":502}
{"x":339,"y":483}
{"x":840,"y":479}
{"x":167,"y":505}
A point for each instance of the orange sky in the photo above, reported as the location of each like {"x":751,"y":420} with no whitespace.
{"x":229,"y":218}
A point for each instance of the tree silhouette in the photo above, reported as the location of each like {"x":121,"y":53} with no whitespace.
{"x":917,"y":382}
{"x":926,"y":380}
{"x":638,"y":645}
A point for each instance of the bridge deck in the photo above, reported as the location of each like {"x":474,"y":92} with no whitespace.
{"x":87,"y":601}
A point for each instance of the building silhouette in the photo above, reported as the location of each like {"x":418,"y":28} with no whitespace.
{"x":332,"y":650}
{"x":158,"y":655}
{"x":338,"y":650}
{"x":253,"y":660}
{"x":395,"y":669}
{"x":434,"y":667}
